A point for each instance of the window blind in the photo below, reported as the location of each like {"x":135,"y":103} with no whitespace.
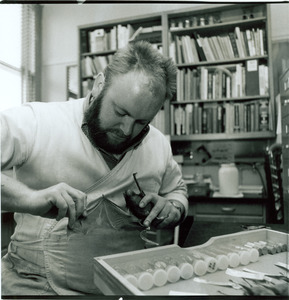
{"x":28,"y":53}
{"x":20,"y":54}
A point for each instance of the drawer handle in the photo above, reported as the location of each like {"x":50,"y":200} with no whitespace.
{"x":228,"y":209}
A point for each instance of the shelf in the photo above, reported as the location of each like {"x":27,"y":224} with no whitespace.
{"x":247,"y":98}
{"x":222,"y":62}
{"x":107,"y":52}
{"x":223,"y":136}
{"x":214,"y":27}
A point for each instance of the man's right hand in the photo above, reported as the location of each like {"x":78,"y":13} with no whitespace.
{"x":59,"y":201}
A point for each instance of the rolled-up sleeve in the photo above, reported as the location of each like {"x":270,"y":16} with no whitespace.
{"x":173,"y":186}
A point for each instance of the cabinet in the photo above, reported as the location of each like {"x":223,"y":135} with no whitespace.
{"x":284,"y":93}
{"x":238,"y":210}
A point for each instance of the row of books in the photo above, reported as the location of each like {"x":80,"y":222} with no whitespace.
{"x":236,"y":44}
{"x":87,"y":86}
{"x":91,"y":66}
{"x":226,"y":81}
{"x":114,"y":38}
{"x":197,"y":118}
{"x":159,"y":121}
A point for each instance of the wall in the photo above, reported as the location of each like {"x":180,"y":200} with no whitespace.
{"x":60,"y":39}
{"x":280,"y":21}
{"x":60,"y":36}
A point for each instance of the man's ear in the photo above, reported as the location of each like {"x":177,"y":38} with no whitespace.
{"x":98,"y":84}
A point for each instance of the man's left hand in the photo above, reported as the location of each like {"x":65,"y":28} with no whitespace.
{"x":164,"y":214}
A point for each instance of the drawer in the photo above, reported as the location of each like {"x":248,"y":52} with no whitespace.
{"x":236,"y":209}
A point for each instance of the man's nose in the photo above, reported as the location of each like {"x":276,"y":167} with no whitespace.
{"x":127,"y":125}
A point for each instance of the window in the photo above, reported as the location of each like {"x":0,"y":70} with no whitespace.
{"x":18,"y":54}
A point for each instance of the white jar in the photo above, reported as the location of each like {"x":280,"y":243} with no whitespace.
{"x":229,"y":179}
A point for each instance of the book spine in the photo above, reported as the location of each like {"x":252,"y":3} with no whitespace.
{"x":264,"y":115}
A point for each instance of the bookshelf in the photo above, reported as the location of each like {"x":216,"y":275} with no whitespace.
{"x":225,"y":88}
{"x":98,"y":42}
{"x":284,"y":93}
{"x":223,"y":55}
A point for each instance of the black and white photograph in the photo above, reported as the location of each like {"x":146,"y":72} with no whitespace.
{"x":144,"y":149}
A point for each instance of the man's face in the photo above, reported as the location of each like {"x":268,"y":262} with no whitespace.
{"x":119,"y":115}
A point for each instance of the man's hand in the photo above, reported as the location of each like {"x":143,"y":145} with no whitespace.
{"x":163,"y":214}
{"x":59,"y":201}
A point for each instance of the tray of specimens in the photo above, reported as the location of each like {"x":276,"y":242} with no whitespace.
{"x":253,"y":262}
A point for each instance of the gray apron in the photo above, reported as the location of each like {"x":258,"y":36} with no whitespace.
{"x":69,"y":256}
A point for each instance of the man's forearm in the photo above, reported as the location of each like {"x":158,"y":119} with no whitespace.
{"x":14,"y":195}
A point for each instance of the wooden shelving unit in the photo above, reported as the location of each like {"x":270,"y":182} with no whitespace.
{"x":284,"y":93}
{"x":210,"y":22}
{"x":213,"y":31}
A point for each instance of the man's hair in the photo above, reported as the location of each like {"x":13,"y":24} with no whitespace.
{"x":142,"y":57}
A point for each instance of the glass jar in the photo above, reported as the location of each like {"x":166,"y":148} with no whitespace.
{"x":228,"y":179}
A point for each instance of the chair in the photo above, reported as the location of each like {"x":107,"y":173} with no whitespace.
{"x":273,"y":170}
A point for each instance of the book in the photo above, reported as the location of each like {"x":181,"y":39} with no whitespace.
{"x":263,"y":79}
{"x":199,"y":45}
{"x":263,"y":115}
{"x":261,"y":41}
{"x":214,"y":49}
{"x":97,"y":64}
{"x":250,"y":42}
{"x":172,"y":120}
{"x":229,"y":46}
{"x":97,"y":40}
{"x":234,"y":44}
{"x":196,"y":118}
{"x":214,"y":118}
{"x":185,"y":50}
{"x":194,"y":51}
{"x":252,"y":77}
{"x":113,"y":38}
{"x":84,"y":41}
{"x":204,"y":120}
{"x":195,"y":85}
{"x":200,"y":113}
{"x":103,"y":62}
{"x":218,"y":47}
{"x":89,"y":67}
{"x":204,"y":83}
{"x":241,"y":116}
{"x":207,"y":49}
{"x":240,"y":47}
{"x":172,"y":51}
{"x":179,"y":47}
{"x":236,"y":118}
{"x":210,"y":85}
{"x":189,"y":119}
{"x":135,"y":34}
{"x":252,"y":112}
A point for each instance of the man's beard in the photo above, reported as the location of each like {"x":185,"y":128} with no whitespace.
{"x":99,"y":136}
